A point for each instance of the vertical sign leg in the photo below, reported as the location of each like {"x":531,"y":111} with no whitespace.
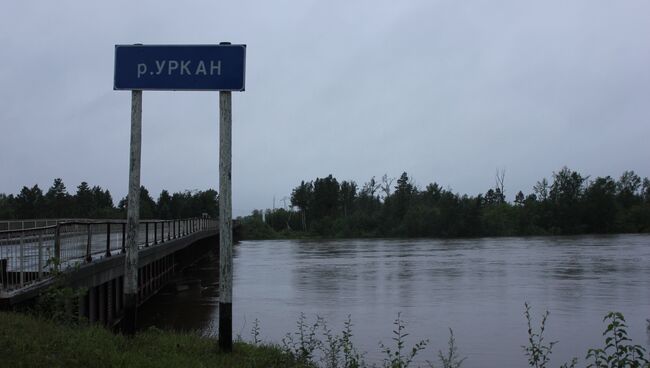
{"x":133,"y":217}
{"x":225,"y":222}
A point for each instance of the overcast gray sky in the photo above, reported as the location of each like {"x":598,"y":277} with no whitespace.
{"x":448,"y":91}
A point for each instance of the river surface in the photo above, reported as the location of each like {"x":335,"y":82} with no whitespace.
{"x":477,"y":287}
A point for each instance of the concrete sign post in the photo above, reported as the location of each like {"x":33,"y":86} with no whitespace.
{"x":225,"y":222}
{"x":192,"y":68}
{"x":133,"y":217}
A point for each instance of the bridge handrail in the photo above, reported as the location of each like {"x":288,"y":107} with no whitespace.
{"x":96,"y":222}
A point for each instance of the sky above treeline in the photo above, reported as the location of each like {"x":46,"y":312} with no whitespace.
{"x":447,"y":91}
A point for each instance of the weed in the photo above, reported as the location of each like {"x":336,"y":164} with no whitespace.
{"x":397,"y":357}
{"x":60,"y":302}
{"x":451,"y":358}
{"x":331,"y":347}
{"x":303,"y":347}
{"x":537,"y":351}
{"x":573,"y":363}
{"x":618,"y":351}
{"x":351,"y":357}
{"x":338,"y":350}
{"x":255,"y":331}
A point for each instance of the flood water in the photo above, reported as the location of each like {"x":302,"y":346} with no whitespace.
{"x":477,"y":287}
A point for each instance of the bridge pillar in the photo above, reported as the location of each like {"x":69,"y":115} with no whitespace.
{"x":118,"y":295}
{"x":92,"y":304}
{"x":83,"y":306}
{"x":156,"y":275}
{"x":110,"y":302}
{"x":4,"y":275}
{"x":101,"y":303}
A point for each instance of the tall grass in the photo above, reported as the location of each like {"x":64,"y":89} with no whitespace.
{"x":28,"y":341}
{"x":37,"y":342}
{"x":316,"y":344}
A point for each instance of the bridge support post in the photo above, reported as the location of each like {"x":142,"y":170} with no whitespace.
{"x":92,"y":304}
{"x":225,"y":221}
{"x":110,"y":302}
{"x":123,"y":238}
{"x":40,"y":256}
{"x":22,"y":258}
{"x":89,"y":257}
{"x":133,"y":217}
{"x":108,"y":239}
{"x":4,"y":274}
{"x":83,"y":307}
{"x":102,"y":304}
{"x":57,"y":242}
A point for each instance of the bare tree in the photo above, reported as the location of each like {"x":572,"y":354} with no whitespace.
{"x":500,"y":187}
{"x":500,"y":179}
{"x":371,"y":187}
{"x":386,"y":184}
{"x":541,"y":189}
{"x":284,"y":202}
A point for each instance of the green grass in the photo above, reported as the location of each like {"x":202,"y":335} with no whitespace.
{"x":26,"y":341}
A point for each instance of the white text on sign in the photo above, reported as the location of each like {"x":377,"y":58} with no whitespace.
{"x":181,"y":67}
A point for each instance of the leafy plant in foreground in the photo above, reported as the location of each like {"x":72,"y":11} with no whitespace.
{"x":60,"y":302}
{"x":618,"y":351}
{"x":255,"y":331}
{"x":398,"y":358}
{"x":302,"y":348}
{"x":537,"y":351}
{"x":338,"y":350}
{"x":331,"y":347}
{"x":351,"y":357}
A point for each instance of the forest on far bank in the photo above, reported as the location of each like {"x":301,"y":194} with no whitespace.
{"x":570,"y":203}
{"x":97,"y":203}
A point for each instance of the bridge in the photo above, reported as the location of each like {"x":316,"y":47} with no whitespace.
{"x":89,"y":254}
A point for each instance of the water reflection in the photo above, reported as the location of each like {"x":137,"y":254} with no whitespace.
{"x":188,"y":303}
{"x":475,"y":286}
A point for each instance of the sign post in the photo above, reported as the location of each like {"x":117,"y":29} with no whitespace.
{"x":133,"y":217}
{"x":194,"y":68}
{"x":225,"y":222}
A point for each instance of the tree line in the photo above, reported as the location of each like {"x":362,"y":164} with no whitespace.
{"x":97,"y":203}
{"x":570,"y":203}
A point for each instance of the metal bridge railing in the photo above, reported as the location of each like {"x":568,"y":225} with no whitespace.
{"x":31,"y":223}
{"x":30,"y":255}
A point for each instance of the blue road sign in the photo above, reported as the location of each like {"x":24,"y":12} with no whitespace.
{"x":180,"y":67}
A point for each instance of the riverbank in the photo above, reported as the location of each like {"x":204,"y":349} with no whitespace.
{"x":26,"y":341}
{"x":257,"y":230}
